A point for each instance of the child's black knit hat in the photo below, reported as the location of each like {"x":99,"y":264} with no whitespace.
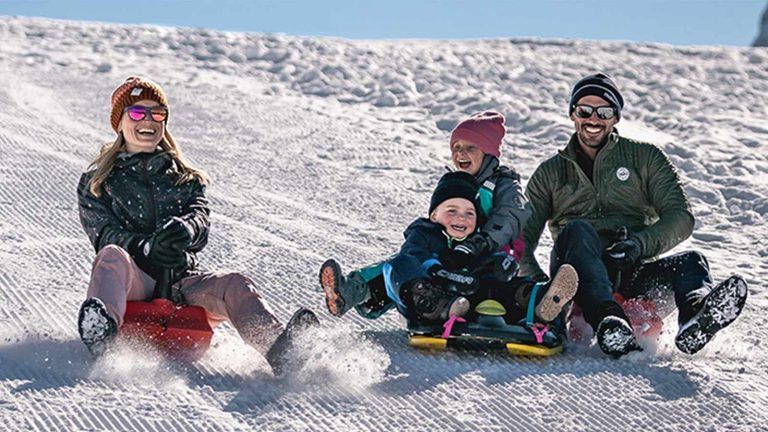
{"x":457,"y":184}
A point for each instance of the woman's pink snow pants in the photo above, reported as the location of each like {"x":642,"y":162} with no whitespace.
{"x":116,"y":279}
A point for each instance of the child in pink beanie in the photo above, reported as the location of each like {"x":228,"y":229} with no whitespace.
{"x":475,"y":146}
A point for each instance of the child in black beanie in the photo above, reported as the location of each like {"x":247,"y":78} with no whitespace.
{"x":426,"y":290}
{"x":414,"y":278}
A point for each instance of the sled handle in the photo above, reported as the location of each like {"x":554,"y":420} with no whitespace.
{"x":163,"y":285}
{"x":622,"y":235}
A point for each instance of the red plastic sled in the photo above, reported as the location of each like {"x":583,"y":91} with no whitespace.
{"x":643,"y":316}
{"x":180,"y":332}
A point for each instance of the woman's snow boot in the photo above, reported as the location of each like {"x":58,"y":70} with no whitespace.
{"x":97,"y":329}
{"x":282,"y":356}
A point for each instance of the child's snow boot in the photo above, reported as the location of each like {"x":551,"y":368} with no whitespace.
{"x":615,"y":336}
{"x":97,"y":329}
{"x":282,"y":356}
{"x":341,"y":293}
{"x":553,"y":296}
{"x":717,"y":310}
{"x":432,"y":302}
{"x":560,"y":291}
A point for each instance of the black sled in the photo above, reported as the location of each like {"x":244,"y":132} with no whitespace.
{"x":486,"y":329}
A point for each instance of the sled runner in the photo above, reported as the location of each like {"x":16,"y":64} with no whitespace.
{"x":181,"y":332}
{"x":487,"y":328}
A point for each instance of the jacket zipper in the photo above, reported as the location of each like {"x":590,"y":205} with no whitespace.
{"x":581,"y":173}
{"x":598,"y":160}
{"x":152,"y":212}
{"x":594,"y":184}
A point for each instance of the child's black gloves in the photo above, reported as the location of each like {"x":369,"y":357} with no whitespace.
{"x":499,"y":267}
{"x":455,"y":281}
{"x":467,"y":252}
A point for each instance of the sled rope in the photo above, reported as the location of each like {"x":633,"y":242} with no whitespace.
{"x":532,"y":304}
{"x":539,"y":330}
{"x":448,"y":325}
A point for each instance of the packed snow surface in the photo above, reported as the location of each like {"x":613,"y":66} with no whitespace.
{"x":323,"y":148}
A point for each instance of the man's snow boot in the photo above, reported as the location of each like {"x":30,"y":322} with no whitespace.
{"x":432,"y":302}
{"x":341,"y":293}
{"x":282,"y":356}
{"x":615,"y":336}
{"x":718,"y":309}
{"x":97,"y":329}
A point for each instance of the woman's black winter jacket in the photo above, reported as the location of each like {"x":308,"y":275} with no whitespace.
{"x":137,"y":198}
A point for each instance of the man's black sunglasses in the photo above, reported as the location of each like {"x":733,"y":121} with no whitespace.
{"x":603,"y":112}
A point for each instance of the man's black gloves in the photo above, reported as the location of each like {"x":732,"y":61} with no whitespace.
{"x":456,"y":281}
{"x":623,"y":254}
{"x":467,"y":252}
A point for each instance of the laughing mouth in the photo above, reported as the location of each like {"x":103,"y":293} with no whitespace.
{"x":459,"y":228}
{"x":593,"y":129}
{"x":464,"y":164}
{"x":146,"y":132}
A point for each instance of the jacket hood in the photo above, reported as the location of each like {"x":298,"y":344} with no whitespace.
{"x":426,"y":225}
{"x":487,"y":168}
{"x":423,"y":224}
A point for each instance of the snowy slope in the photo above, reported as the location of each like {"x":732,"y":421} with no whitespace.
{"x":328,"y":148}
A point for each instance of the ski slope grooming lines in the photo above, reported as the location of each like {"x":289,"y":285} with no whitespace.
{"x":322,"y":147}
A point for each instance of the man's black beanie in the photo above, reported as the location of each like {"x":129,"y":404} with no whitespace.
{"x":457,"y":184}
{"x":600,"y":85}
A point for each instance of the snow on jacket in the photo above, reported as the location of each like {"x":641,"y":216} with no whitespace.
{"x":635,"y":185}
{"x":509,"y":212}
{"x":137,"y":198}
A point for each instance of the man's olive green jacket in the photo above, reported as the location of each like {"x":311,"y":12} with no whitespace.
{"x":635,"y":185}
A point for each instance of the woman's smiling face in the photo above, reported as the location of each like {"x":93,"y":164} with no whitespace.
{"x":144,"y":135}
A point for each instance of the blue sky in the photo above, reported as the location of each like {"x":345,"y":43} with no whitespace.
{"x":679,"y":22}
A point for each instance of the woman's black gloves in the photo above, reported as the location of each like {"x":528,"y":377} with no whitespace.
{"x":166,"y":248}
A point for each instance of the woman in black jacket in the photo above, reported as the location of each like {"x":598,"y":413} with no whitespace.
{"x":145,"y":210}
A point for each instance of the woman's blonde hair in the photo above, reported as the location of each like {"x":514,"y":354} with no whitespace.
{"x":105,"y":162}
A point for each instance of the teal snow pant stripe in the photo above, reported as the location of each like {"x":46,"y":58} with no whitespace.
{"x":372,"y":271}
{"x":369,"y":274}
